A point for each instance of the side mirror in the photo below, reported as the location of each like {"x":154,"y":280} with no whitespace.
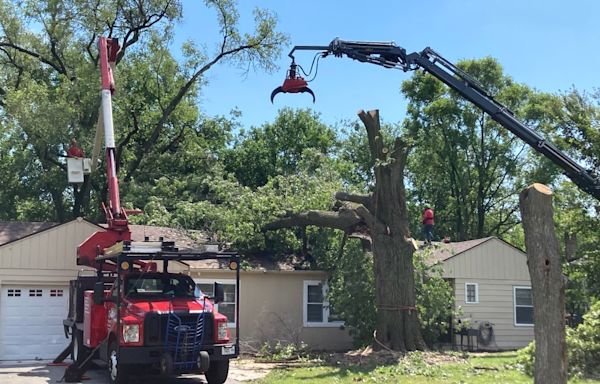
{"x":99,"y":293}
{"x":219,"y":293}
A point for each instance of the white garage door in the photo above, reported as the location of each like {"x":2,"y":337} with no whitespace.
{"x":31,"y":322}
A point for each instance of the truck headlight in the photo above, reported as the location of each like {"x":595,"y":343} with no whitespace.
{"x":131,"y":333}
{"x":222,"y":331}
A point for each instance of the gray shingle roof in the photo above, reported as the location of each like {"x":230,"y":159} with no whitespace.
{"x":15,"y":230}
{"x":444,"y":251}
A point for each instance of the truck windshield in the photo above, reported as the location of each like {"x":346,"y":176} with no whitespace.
{"x":148,"y":285}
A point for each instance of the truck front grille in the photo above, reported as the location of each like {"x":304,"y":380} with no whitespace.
{"x":155,"y":326}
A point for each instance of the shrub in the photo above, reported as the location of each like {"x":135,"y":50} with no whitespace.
{"x":583,"y":347}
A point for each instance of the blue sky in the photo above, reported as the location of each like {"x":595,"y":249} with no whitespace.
{"x":549,"y":45}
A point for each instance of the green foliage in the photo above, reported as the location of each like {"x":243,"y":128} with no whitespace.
{"x":583,"y":348}
{"x":282,"y":351}
{"x":464,"y":164}
{"x":584,"y":345}
{"x":49,"y":93}
{"x":352,"y":290}
{"x":352,"y":293}
{"x":278,"y":148}
{"x":234,"y":213}
{"x":435,"y":297}
{"x":356,"y":163}
{"x":579,"y":120}
{"x":526,"y":358}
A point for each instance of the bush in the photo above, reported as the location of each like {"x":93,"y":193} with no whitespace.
{"x":435,"y":298}
{"x":583,"y":348}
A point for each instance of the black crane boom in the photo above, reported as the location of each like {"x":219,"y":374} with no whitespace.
{"x":389,"y":55}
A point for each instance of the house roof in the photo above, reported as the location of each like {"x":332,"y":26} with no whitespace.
{"x":185,"y":239}
{"x":14,"y":230}
{"x":195,"y":239}
{"x":249,"y":263}
{"x":444,"y":251}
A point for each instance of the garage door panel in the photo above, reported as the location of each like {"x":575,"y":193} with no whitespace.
{"x":31,"y":322}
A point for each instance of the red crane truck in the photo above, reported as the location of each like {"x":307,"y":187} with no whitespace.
{"x":133,"y":315}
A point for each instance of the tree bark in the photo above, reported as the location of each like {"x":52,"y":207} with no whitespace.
{"x":384,"y":216}
{"x":543,"y":260}
{"x":397,"y":318}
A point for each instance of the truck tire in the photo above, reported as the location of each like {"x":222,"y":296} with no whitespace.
{"x":217,"y":372}
{"x":80,"y":351}
{"x":117,"y":374}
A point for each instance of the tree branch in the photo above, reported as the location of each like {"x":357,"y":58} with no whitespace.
{"x":371,"y":122}
{"x":34,"y":55}
{"x":175,"y":102}
{"x":371,"y":220}
{"x":343,"y":219}
{"x":366,"y":200}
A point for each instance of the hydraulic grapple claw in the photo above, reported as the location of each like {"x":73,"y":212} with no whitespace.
{"x":283,"y":89}
{"x":293,"y":83}
{"x":275,"y":92}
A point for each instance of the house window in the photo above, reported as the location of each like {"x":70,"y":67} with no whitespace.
{"x":227,"y":306}
{"x":317,"y":310}
{"x":56,"y":293}
{"x":471,"y":293}
{"x":14,"y":293}
{"x":523,"y":306}
{"x":35,"y":293}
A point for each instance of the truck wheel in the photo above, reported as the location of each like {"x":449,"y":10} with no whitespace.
{"x":217,"y":372}
{"x":80,"y":351}
{"x":117,"y":374}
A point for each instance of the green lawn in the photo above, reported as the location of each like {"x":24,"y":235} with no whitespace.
{"x":496,"y":368}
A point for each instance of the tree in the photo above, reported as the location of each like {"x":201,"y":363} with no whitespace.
{"x":382,"y":218}
{"x":579,"y":121}
{"x":466,"y":165}
{"x":48,"y":64}
{"x":277,"y":148}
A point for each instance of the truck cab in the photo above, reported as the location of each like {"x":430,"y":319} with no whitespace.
{"x":139,"y":320}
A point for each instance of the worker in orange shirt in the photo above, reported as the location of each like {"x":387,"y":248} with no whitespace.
{"x":427,"y":220}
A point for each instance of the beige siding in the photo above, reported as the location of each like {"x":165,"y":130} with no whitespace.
{"x":271,"y":309}
{"x":496,"y":268}
{"x":493,"y":259}
{"x":496,"y":306}
{"x":46,"y":257}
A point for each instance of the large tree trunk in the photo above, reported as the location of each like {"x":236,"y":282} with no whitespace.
{"x":547,"y":284}
{"x":397,"y":318}
{"x":384,"y":216}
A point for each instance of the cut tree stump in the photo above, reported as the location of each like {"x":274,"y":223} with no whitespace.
{"x":545,"y":270}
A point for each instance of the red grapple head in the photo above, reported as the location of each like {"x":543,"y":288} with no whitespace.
{"x":293,"y":83}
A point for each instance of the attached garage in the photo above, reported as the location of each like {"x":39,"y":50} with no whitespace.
{"x":37,"y":260}
{"x":31,"y":326}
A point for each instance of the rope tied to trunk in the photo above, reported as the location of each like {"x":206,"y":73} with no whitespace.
{"x":397,"y":308}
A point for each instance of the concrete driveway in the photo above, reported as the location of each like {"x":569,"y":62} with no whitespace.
{"x":41,"y":373}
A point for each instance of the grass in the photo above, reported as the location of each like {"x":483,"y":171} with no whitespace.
{"x":417,"y":368}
